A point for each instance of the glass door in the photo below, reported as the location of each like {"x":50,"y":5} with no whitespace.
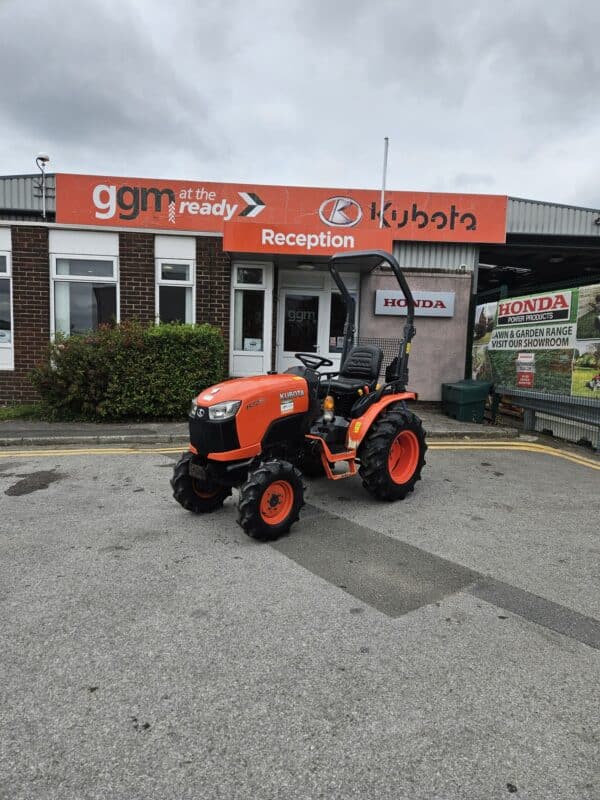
{"x":299,"y":325}
{"x":311,"y":320}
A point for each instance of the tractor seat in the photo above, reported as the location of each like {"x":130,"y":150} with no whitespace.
{"x":360,"y":368}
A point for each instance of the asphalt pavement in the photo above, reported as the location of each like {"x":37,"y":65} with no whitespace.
{"x":447,"y":646}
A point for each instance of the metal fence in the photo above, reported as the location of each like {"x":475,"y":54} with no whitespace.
{"x":575,"y":419}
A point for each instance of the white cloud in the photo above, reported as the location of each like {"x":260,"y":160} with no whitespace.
{"x":487,"y":98}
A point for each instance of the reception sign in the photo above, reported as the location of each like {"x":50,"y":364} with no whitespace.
{"x":245,"y":237}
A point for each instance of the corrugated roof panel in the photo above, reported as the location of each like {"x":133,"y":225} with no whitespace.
{"x":425,"y":255}
{"x":23,"y":193}
{"x":551,"y":219}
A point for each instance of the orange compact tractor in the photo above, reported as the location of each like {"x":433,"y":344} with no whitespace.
{"x":260,"y":434}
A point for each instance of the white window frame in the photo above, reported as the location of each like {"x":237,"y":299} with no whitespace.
{"x":266,"y":286}
{"x":9,"y":346}
{"x":160,"y":281}
{"x":54,"y":277}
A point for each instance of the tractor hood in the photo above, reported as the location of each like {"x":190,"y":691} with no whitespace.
{"x":280,"y":387}
{"x":265,"y":401}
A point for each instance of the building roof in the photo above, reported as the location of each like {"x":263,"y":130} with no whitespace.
{"x":21,"y":199}
{"x":550,"y":219}
{"x":21,"y":196}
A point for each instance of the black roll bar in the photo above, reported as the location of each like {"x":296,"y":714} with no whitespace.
{"x":399,"y":373}
{"x":350,"y":305}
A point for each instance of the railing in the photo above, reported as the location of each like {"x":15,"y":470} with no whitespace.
{"x":576,"y":419}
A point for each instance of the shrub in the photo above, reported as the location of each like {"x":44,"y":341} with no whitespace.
{"x":129,"y":371}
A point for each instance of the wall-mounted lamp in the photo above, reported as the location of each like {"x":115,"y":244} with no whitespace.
{"x":306,"y":267}
{"x":41,"y":160}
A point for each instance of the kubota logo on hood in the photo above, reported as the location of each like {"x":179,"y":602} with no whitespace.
{"x":340,"y":212}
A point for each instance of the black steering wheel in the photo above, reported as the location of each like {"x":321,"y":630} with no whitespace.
{"x":312,"y":361}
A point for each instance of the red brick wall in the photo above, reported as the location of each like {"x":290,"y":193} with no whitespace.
{"x":213,"y":283}
{"x":31,"y":310}
{"x":31,"y":295}
{"x":136,"y":273}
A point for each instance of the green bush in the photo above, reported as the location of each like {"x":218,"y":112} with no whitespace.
{"x":129,"y":371}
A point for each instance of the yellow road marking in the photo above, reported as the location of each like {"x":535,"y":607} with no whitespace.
{"x":435,"y":444}
{"x":91,"y":451}
{"x":530,"y":447}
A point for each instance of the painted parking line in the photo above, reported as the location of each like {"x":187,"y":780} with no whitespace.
{"x":472,"y":444}
{"x":528,"y":447}
{"x":90,"y":451}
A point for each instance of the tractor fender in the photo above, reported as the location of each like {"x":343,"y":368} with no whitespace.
{"x":359,"y":427}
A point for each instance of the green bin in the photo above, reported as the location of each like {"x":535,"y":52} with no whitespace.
{"x":465,"y":400}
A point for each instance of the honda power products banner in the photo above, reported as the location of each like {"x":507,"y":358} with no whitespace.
{"x":547,"y":342}
{"x":284,"y":219}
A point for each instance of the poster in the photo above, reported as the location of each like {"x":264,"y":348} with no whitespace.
{"x":547,"y":342}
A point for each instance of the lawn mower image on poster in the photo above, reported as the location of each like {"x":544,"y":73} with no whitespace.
{"x":261,"y":434}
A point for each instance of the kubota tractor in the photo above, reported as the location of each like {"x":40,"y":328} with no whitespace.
{"x":260,"y":434}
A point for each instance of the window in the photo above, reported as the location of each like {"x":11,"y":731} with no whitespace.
{"x":84,"y":293}
{"x":249,"y":309}
{"x":175,"y":291}
{"x":250,"y":275}
{"x":5,"y":301}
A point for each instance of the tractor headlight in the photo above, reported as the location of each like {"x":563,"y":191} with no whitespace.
{"x":224,"y":410}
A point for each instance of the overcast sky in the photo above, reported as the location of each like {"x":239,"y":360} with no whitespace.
{"x":491,"y":97}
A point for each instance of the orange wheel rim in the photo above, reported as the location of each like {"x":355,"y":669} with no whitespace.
{"x":204,"y":495}
{"x":277,"y":502}
{"x":403,"y":457}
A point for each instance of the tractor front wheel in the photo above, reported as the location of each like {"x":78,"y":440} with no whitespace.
{"x":270,"y":500}
{"x":195,"y":495}
{"x":393,"y":454}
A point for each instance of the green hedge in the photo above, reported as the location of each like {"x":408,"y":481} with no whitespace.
{"x":129,"y":371}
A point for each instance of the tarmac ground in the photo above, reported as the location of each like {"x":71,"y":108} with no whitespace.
{"x":446,"y":646}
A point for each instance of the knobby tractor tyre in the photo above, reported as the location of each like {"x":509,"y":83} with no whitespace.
{"x":194,"y":495}
{"x":270,"y":500}
{"x":393,"y":454}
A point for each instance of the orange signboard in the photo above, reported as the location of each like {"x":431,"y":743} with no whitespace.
{"x":249,"y":237}
{"x":206,"y":207}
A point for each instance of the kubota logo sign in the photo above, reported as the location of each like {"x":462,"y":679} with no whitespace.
{"x":340,"y":212}
{"x":207,"y":207}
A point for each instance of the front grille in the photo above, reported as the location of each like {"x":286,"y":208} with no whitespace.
{"x":218,"y":436}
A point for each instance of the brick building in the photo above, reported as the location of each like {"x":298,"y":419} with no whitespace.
{"x":251,"y":260}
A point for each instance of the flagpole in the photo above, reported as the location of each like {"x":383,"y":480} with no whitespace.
{"x":386,"y":142}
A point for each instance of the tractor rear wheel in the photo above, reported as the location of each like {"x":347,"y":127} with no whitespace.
{"x":393,"y":454}
{"x":270,"y":500}
{"x":195,"y":495}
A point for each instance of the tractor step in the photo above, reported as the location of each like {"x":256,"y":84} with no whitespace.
{"x":328,"y":458}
